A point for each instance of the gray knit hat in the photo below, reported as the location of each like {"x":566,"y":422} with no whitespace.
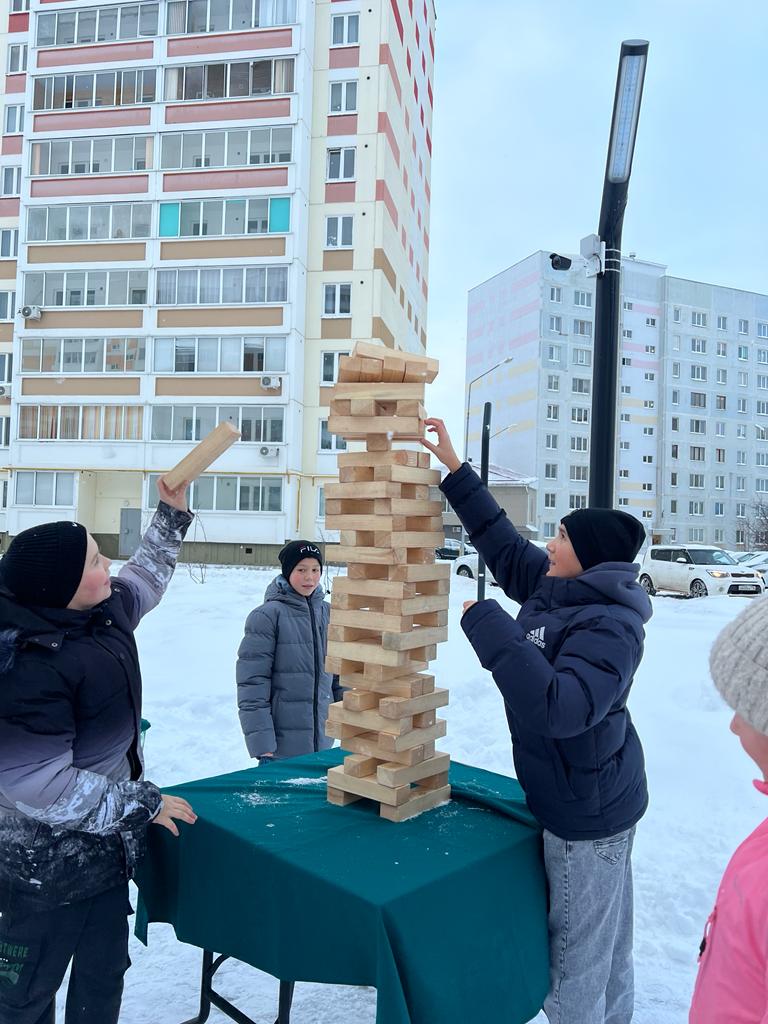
{"x":738,"y":662}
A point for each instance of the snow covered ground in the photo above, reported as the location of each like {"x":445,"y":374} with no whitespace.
{"x":702,"y":800}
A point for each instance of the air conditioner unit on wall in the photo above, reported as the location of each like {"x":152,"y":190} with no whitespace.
{"x":31,"y":312}
{"x":268,"y":451}
{"x":5,"y":390}
{"x":271,"y":382}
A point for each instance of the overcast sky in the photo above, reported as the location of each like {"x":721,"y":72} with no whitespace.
{"x":523,"y":99}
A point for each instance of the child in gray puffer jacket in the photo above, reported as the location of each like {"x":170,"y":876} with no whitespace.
{"x":283,"y":690}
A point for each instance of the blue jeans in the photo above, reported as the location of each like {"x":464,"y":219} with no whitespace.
{"x":590,"y":929}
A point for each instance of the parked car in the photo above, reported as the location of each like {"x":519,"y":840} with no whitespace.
{"x":452,"y":549}
{"x":697,"y":570}
{"x":747,"y":556}
{"x":759,"y":564}
{"x":466,"y":565}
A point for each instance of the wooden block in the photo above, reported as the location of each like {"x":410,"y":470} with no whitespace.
{"x":362,"y":700}
{"x":367,"y":743}
{"x":422,"y":801}
{"x":396,"y":457}
{"x":407,"y":506}
{"x":424,"y":719}
{"x":349,"y":369}
{"x":392,"y":391}
{"x":408,"y":539}
{"x":359,"y":426}
{"x":339,"y":798}
{"x":367,"y":652}
{"x":418,"y":637}
{"x":391,"y":524}
{"x":406,"y":474}
{"x":368,"y":620}
{"x":202,"y":455}
{"x":342,"y":731}
{"x":382,"y":672}
{"x":394,"y":774}
{"x":369,"y":788}
{"x":398,"y":707}
{"x":358,"y":406}
{"x":369,"y":721}
{"x":371,"y":369}
{"x":424,"y":364}
{"x":414,"y":738}
{"x":373,"y":588}
{"x":422,"y":603}
{"x":361,"y":766}
{"x":370,"y":555}
{"x":402,"y":686}
{"x":393,"y":369}
{"x":355,"y":474}
{"x":420,"y":573}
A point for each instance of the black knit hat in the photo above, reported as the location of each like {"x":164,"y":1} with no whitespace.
{"x":294,"y":551}
{"x":44,"y":564}
{"x":603,"y":535}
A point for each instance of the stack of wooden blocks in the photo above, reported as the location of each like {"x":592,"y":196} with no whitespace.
{"x":391,"y":610}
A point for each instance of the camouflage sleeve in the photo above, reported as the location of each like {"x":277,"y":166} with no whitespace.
{"x":148,"y":571}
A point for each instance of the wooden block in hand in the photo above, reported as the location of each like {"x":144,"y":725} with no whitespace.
{"x":200,"y":458}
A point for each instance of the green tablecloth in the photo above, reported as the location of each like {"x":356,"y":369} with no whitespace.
{"x":444,"y":914}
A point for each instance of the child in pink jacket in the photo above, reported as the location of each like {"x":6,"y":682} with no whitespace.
{"x":732,"y":984}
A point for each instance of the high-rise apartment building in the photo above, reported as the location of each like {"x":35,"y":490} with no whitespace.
{"x":692,"y":430}
{"x":204,"y":202}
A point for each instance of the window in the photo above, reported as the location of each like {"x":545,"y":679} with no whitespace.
{"x":677,"y":316}
{"x":647,"y":487}
{"x":229,"y":354}
{"x":550,"y":471}
{"x":551,"y":441}
{"x":577,"y":473}
{"x":696,"y":481}
{"x":549,"y":530}
{"x":698,"y":319}
{"x":577,"y":501}
{"x":337,"y":300}
{"x":743,"y":353}
{"x":88,"y":223}
{"x":581,"y":298}
{"x":579,"y":444}
{"x":650,"y":321}
{"x":741,"y":510}
{"x":11,"y":181}
{"x":626,"y":360}
{"x":719,"y":508}
{"x":743,"y":326}
{"x":582,"y":328}
{"x":741,"y":405}
{"x":582,"y":357}
{"x":624,"y":446}
{"x":554,"y":353}
{"x":14,"y":119}
{"x":229,"y":81}
{"x":647,"y":459}
{"x":81,"y":423}
{"x":698,"y":372}
{"x":345,"y":30}
{"x":553,"y":412}
{"x":82,"y":355}
{"x":549,"y":499}
{"x":697,"y":453}
{"x":7,"y":305}
{"x":698,"y":400}
{"x":623,"y":501}
{"x":648,"y":403}
{"x":696,"y":534}
{"x":102,"y":89}
{"x":329,"y":372}
{"x":330,"y":442}
{"x":719,"y":429}
{"x":338,"y":232}
{"x":555,"y":295}
{"x":627,"y":304}
{"x":555,"y":325}
{"x":17,"y":6}
{"x":625,"y":417}
{"x":695,"y":508}
{"x":222,"y":286}
{"x":197,"y":16}
{"x":651,"y":349}
{"x":341,"y":164}
{"x":675,"y":423}
{"x":720,"y":403}
{"x":720,"y":482}
{"x":722,"y":376}
{"x":673,"y":506}
{"x":762,"y":408}
{"x":256,"y":423}
{"x":722,"y":323}
{"x":47,"y":489}
{"x":649,"y":375}
{"x":343,"y":98}
{"x":675,"y":397}
{"x":624,"y":474}
{"x":675,"y":370}
{"x":626,"y":389}
{"x":86,"y":288}
{"x":579,"y":415}
{"x":722,"y":349}
{"x":553,"y":382}
{"x":580,"y":386}
{"x":91,"y":156}
{"x":229,"y":493}
{"x":762,"y":330}
{"x":676,"y":342}
{"x":741,"y":457}
{"x":225,"y":217}
{"x":699,"y":345}
{"x":741,"y":430}
{"x":131,"y":21}
{"x":9,"y":243}
{"x":17,"y":58}
{"x":673,"y":479}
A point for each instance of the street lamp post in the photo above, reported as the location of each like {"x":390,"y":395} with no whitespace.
{"x":626,"y":110}
{"x":485,"y":373}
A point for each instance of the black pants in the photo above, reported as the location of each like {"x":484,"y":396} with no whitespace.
{"x":35,"y":951}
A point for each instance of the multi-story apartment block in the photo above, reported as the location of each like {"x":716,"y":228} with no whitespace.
{"x":204,"y":203}
{"x":692,"y":411}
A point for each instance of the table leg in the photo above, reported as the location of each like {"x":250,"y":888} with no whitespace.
{"x":209,"y":997}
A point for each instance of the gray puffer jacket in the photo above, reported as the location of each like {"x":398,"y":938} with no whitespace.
{"x":283,"y":690}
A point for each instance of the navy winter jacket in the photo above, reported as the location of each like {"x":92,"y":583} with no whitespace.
{"x":564,"y":667}
{"x":283,"y":690}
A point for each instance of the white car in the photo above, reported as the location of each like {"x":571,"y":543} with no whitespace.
{"x":697,"y":570}
{"x":466,"y":565}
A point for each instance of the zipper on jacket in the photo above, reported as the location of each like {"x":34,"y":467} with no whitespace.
{"x":134,"y":761}
{"x":317,"y":672}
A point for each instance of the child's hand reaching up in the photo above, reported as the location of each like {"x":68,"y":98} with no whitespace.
{"x":443,"y":447}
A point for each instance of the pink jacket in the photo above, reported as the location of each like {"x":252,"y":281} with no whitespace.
{"x":732,"y":984}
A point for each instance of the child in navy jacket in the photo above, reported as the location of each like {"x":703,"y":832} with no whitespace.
{"x":564,"y":667}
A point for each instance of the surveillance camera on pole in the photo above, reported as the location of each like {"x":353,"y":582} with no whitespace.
{"x":591,"y":260}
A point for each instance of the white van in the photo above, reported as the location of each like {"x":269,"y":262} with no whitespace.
{"x":697,"y":570}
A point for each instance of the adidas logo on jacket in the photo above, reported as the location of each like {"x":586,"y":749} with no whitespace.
{"x":536,"y":636}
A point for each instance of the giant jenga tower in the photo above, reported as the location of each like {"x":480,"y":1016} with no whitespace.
{"x":391,"y":610}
